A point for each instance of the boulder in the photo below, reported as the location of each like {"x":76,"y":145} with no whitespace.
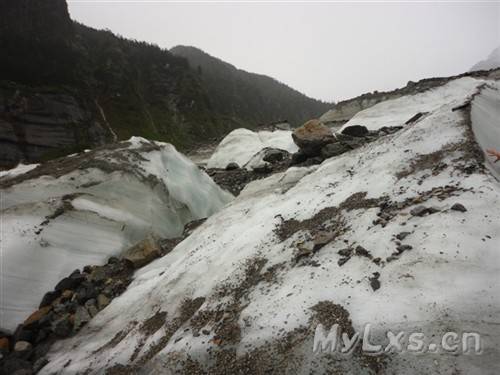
{"x":102,"y":301}
{"x":82,"y":317}
{"x":22,"y":346}
{"x":274,"y":155}
{"x":355,"y":131}
{"x":49,"y":297}
{"x":312,"y":136}
{"x":34,"y":319}
{"x":459,"y":207}
{"x":70,"y":282}
{"x":232,"y":166}
{"x":143,"y":252}
{"x":63,"y":327}
{"x":333,"y":149}
{"x":4,"y":345}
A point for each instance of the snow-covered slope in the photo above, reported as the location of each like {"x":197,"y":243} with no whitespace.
{"x":84,"y":208}
{"x":241,"y":145}
{"x":244,"y":292}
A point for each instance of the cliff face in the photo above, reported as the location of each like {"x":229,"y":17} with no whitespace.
{"x":38,"y":123}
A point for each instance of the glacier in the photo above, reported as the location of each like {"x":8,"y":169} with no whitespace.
{"x":240,"y":294}
{"x":84,"y":208}
{"x":241,"y":145}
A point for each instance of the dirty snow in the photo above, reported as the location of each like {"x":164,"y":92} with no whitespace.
{"x":448,"y":281}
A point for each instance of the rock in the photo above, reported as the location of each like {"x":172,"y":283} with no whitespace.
{"x":361,"y":251}
{"x":91,"y":307}
{"x":274,"y":155}
{"x":355,"y":131}
{"x":402,"y":248}
{"x":401,"y":236}
{"x":143,"y":252}
{"x":22,"y":346}
{"x":298,"y":158}
{"x":459,"y":207}
{"x":232,"y":166}
{"x":4,"y":345}
{"x":333,"y":149}
{"x":85,"y":292}
{"x":14,"y":364}
{"x":66,"y":295}
{"x":321,"y":239}
{"x":34,"y":319}
{"x":391,"y":258}
{"x":82,"y":317}
{"x":263,"y":168}
{"x":98,"y":274}
{"x":63,"y":326}
{"x":113,"y":260}
{"x":49,"y":297}
{"x":102,"y":301}
{"x":374,"y":281}
{"x":69,"y":282}
{"x":23,"y":334}
{"x":312,"y":136}
{"x":343,"y":261}
{"x":423,"y":211}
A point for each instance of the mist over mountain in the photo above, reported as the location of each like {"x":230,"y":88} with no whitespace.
{"x":492,"y":62}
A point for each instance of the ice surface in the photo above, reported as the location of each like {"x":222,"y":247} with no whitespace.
{"x":449,"y":281}
{"x":485,"y":116}
{"x":241,"y":145}
{"x":103,"y":214}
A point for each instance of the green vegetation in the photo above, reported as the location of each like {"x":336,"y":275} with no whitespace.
{"x":142,"y":89}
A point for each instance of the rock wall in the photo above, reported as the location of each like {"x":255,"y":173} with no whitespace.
{"x":42,"y":123}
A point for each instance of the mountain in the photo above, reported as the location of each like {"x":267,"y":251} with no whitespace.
{"x":249,"y":98}
{"x":65,"y":87}
{"x":491,"y":62}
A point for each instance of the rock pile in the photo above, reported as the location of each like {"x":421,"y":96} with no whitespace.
{"x":266,"y":162}
{"x":317,"y":142}
{"x":75,"y":300}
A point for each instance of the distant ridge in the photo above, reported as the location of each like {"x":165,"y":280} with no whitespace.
{"x":248,"y":97}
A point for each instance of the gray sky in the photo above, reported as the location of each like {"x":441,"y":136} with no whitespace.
{"x":330,"y":51}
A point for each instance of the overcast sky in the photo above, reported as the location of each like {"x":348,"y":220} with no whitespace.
{"x":330,"y":51}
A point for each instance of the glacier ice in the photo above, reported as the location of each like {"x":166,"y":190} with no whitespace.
{"x":84,"y":208}
{"x":241,"y":145}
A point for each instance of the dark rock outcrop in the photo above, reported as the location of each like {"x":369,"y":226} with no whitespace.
{"x":43,"y":123}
